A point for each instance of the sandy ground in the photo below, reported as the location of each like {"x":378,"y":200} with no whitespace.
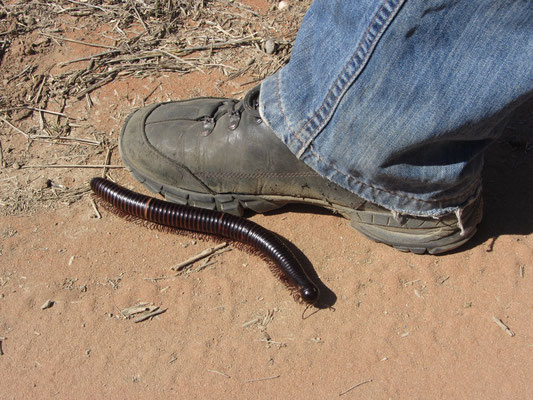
{"x":401,"y":326}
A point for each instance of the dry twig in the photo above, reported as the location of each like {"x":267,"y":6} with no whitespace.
{"x":205,"y":253}
{"x":503,"y":326}
{"x":219,"y":373}
{"x":78,"y":41}
{"x":71,"y":166}
{"x":150,"y":315}
{"x":95,"y":209}
{"x":263,"y":379}
{"x":354,"y":386}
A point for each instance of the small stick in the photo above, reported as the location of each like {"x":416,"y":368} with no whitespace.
{"x":106,"y":161}
{"x":251,"y":322}
{"x":65,"y":138}
{"x":41,"y":123}
{"x":219,"y":45}
{"x":105,"y":53}
{"x":151,"y":93}
{"x":61,"y":109}
{"x":220,"y":373}
{"x":36,"y":109}
{"x":49,"y":112}
{"x":98,"y":215}
{"x":21,"y":73}
{"x":250,"y":82}
{"x":79,"y":41}
{"x":442,"y":279}
{"x":199,"y":256}
{"x":503,"y":326}
{"x":40,"y":91}
{"x":71,"y":166}
{"x":160,"y":278}
{"x":137,"y":309}
{"x":354,"y":386}
{"x":15,"y":128}
{"x":263,"y":379}
{"x":490,"y":245}
{"x":102,"y":82}
{"x":205,"y":265}
{"x":1,"y":156}
{"x":2,"y":338}
{"x":88,"y":100}
{"x":175,"y":57}
{"x":150,"y":315}
{"x":522,"y":267}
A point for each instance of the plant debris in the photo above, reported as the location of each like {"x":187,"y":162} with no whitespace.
{"x":41,"y":98}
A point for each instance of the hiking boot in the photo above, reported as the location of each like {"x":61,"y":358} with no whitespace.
{"x":217,"y":153}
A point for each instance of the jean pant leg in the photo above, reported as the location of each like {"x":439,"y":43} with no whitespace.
{"x":397,"y":100}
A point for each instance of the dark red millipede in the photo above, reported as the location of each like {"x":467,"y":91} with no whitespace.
{"x":212,"y":222}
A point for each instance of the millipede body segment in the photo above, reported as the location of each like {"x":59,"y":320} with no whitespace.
{"x":210,"y":222}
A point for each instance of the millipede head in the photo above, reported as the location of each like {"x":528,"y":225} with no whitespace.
{"x":310,"y":294}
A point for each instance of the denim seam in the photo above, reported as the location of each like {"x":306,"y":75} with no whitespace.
{"x":332,"y":98}
{"x":280,"y":107}
{"x":476,"y":183}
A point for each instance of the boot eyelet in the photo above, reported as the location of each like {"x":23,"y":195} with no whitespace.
{"x":234,"y":119}
{"x":208,"y":126}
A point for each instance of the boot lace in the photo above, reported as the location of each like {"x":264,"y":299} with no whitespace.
{"x":234,"y":109}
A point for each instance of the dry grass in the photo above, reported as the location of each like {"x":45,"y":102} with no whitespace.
{"x":126,"y":39}
{"x":146,"y":38}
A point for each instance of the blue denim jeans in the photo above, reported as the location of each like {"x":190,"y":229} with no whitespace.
{"x":396,"y":100}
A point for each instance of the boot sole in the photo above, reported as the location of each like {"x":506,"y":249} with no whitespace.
{"x":416,"y":236}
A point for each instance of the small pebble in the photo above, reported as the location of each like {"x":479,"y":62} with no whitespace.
{"x":16,"y":165}
{"x":282,"y":5}
{"x":270,"y":46}
{"x":47,"y":304}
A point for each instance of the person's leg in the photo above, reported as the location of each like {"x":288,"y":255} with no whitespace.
{"x":396,"y":100}
{"x":366,"y":103}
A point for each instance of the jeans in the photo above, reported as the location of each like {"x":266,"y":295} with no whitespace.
{"x":396,"y":100}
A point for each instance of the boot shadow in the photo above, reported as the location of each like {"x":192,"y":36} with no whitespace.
{"x":507,"y":182}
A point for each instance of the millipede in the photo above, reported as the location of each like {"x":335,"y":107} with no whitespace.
{"x":182,"y":217}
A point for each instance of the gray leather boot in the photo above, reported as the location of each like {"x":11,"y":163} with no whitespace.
{"x":217,"y":153}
